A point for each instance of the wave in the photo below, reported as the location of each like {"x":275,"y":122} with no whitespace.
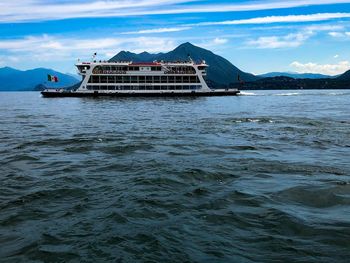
{"x":288,"y":94}
{"x":321,"y":93}
{"x":337,"y":93}
{"x":242,"y":93}
{"x":247,"y":120}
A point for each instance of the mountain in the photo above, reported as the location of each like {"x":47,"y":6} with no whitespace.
{"x":129,"y":56}
{"x":221,"y":72}
{"x":284,"y":83}
{"x":294,"y":75}
{"x":345,"y":76}
{"x":76,"y":76}
{"x":17,"y":80}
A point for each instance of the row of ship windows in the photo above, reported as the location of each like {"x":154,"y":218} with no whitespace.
{"x":125,"y":68}
{"x":162,"y":87}
{"x":125,"y":72}
{"x":144,"y":79}
{"x":142,"y":68}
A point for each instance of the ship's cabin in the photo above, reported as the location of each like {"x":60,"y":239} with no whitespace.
{"x":82,"y":68}
{"x":144,"y":68}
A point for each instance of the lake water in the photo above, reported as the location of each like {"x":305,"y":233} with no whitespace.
{"x":262,"y":177}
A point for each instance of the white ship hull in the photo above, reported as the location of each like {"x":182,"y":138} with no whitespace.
{"x":65,"y":93}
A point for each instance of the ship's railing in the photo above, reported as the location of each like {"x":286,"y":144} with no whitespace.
{"x":124,"y":72}
{"x":108,"y":72}
{"x":180,"y":72}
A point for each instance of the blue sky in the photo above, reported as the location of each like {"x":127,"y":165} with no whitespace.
{"x":256,"y":36}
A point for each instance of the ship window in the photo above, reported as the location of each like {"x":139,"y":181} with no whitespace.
{"x":119,"y":79}
{"x":171,"y":79}
{"x":103,"y":79}
{"x":133,"y":79}
{"x":97,"y":70}
{"x":156,"y":79}
{"x":201,"y":68}
{"x":142,"y":79}
{"x":149,"y":79}
{"x":95,"y":79}
{"x":111,"y":88}
{"x":126,"y":79}
{"x":178,"y":79}
{"x":186,"y":79}
{"x":194,"y":79}
{"x":111,"y":79}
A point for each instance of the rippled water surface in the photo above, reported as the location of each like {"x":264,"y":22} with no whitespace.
{"x":262,"y":177}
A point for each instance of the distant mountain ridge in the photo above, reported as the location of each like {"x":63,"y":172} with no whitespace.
{"x":295,"y":75}
{"x":345,"y":76}
{"x":221,"y":72}
{"x":17,"y":80}
{"x":283,"y":82}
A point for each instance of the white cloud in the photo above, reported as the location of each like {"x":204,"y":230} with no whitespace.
{"x":339,"y":34}
{"x":281,"y":19}
{"x":50,"y":48}
{"x":213,"y":43}
{"x":336,"y":56}
{"x":158,"y":30}
{"x":220,"y":41}
{"x":17,"y":11}
{"x":291,"y":40}
{"x":317,"y":28}
{"x":327,"y":69}
{"x":273,"y":42}
{"x":262,"y":20}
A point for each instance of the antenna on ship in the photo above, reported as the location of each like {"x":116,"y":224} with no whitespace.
{"x":94,"y":56}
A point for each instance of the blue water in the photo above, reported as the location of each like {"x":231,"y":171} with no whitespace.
{"x":262,"y":177}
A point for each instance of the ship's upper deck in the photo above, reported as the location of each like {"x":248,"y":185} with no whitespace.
{"x":131,"y":63}
{"x":107,"y":67}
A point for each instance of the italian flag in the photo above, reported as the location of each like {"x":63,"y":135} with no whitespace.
{"x":52,"y":78}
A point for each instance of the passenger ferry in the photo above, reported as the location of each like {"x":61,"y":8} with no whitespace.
{"x":102,"y":78}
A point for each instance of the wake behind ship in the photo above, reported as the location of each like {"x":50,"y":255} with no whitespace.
{"x":125,"y":79}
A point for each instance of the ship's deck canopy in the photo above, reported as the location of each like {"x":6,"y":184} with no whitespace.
{"x":145,"y":64}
